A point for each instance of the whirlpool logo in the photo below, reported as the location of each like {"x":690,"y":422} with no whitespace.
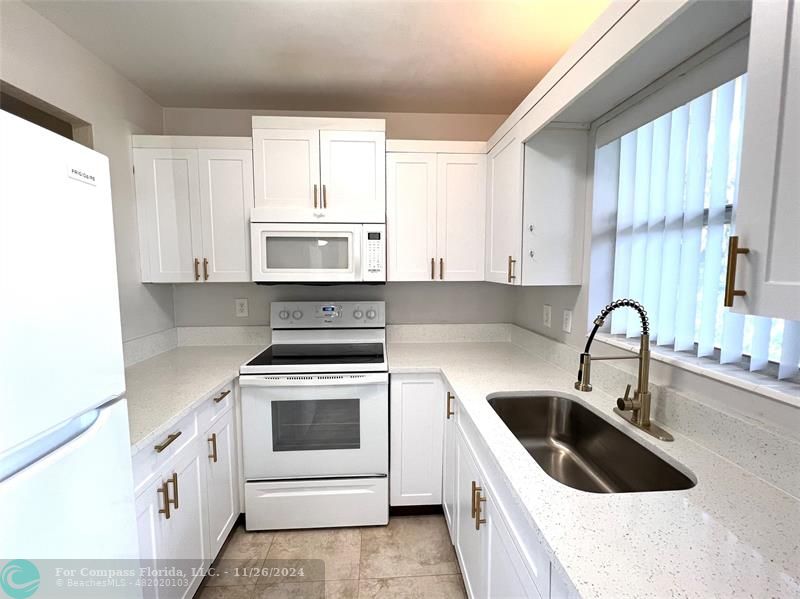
{"x":19,"y":579}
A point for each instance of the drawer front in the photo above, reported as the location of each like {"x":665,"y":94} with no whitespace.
{"x":215,"y":405}
{"x":316,"y":503}
{"x":148,"y":461}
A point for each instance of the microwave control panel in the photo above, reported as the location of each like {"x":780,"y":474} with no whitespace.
{"x":374,"y":256}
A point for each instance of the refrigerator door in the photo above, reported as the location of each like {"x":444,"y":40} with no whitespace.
{"x":60,"y":339}
{"x":75,"y":501}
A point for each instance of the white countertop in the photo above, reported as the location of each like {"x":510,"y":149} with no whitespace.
{"x":164,"y":388}
{"x":732,"y":535}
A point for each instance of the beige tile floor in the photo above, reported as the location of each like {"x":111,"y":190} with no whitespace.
{"x":411,"y":558}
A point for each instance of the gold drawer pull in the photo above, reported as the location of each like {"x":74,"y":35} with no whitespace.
{"x":324,"y":196}
{"x":315,"y":195}
{"x":205,"y":269}
{"x":730,"y":277}
{"x":441,"y":269}
{"x":511,"y":263}
{"x":164,"y":490}
{"x":166,"y":443}
{"x":196,"y":269}
{"x":450,"y":397}
{"x":174,"y":481}
{"x":222,"y":396}
{"x":213,"y":440}
{"x":433,"y":267}
{"x":478,"y":501}
{"x":474,"y":488}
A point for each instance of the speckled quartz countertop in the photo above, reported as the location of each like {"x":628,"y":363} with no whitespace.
{"x":166,"y":387}
{"x":732,"y":535}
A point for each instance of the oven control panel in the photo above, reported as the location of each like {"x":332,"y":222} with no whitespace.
{"x":325,"y":315}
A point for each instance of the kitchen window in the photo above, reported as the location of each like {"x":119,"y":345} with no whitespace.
{"x":675,"y":181}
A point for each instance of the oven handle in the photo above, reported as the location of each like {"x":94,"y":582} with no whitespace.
{"x":315,"y":380}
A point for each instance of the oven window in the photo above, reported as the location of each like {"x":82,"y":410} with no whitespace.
{"x":310,"y":425}
{"x":312,"y":252}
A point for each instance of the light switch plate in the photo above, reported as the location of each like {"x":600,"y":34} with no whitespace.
{"x":547,"y":315}
{"x":566,"y":323}
{"x":242,"y":310}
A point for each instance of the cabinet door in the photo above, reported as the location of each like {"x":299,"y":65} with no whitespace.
{"x":504,"y":211}
{"x":286,"y":171}
{"x":221,"y":481}
{"x":411,"y":216}
{"x":150,"y":524}
{"x":461,"y":216}
{"x":167,"y":199}
{"x":417,"y":422}
{"x":449,"y":464}
{"x":468,"y":538}
{"x":768,"y":212}
{"x":226,"y":198}
{"x":506,"y":574}
{"x":353,"y":174}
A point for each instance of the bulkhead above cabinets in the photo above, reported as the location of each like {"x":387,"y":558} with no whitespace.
{"x":320,"y":169}
{"x":536,"y":202}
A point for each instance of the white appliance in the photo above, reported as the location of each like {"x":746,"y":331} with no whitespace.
{"x":315,"y":418}
{"x":66,"y":485}
{"x":317,"y":252}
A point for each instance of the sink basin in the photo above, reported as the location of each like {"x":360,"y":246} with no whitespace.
{"x":580,"y":449}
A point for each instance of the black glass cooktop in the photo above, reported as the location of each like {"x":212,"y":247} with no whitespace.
{"x":284,"y":354}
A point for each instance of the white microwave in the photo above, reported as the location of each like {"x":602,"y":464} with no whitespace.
{"x":318,"y":253}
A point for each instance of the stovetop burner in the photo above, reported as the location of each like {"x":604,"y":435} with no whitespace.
{"x":307,"y":354}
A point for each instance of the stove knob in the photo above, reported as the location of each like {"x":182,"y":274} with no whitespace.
{"x":371,"y":314}
{"x":358,"y":314}
{"x":297,"y":315}
{"x":283,"y":315}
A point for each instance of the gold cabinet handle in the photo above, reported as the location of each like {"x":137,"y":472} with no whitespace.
{"x":174,"y":481}
{"x":511,"y":263}
{"x":730,"y":277}
{"x":196,"y":269}
{"x":205,"y":269}
{"x":433,"y":267}
{"x":213,"y":440}
{"x":324,"y":196}
{"x":478,"y":501}
{"x":474,"y":489}
{"x":222,"y":396}
{"x":450,"y":397}
{"x":315,"y":195}
{"x":166,"y":442}
{"x":441,"y":269}
{"x":163,"y":490}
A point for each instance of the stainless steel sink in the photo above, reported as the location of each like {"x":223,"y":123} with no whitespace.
{"x":580,"y":449}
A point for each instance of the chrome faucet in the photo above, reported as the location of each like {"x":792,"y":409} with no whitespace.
{"x":639,"y":406}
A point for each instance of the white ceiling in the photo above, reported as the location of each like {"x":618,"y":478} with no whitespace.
{"x":467,"y":56}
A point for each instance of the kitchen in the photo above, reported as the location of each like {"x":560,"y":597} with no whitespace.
{"x":509,"y":311}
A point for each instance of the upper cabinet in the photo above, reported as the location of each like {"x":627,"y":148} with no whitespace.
{"x":435,"y":210}
{"x":193,"y":197}
{"x":768,"y":212}
{"x":320,"y":170}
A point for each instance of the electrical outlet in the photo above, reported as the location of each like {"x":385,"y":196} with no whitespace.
{"x":566,"y":323}
{"x":547,"y":314}
{"x":242,"y":310}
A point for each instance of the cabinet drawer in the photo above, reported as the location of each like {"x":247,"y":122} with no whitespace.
{"x":215,"y":405}
{"x":148,"y":461}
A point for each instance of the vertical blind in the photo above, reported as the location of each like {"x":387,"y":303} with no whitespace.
{"x":676,"y":206}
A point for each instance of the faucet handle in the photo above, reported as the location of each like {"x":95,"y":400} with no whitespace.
{"x":624,"y":402}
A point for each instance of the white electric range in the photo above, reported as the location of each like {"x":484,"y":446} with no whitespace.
{"x":315,"y":418}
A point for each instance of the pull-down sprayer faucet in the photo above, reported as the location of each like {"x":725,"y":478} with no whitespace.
{"x":639,"y":406}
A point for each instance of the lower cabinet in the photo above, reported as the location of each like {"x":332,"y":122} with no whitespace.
{"x":187,"y":498}
{"x":449,"y":463}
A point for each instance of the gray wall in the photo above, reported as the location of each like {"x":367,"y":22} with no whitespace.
{"x":417,"y":303}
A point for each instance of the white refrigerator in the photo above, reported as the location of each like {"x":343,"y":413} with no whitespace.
{"x":66,"y":485}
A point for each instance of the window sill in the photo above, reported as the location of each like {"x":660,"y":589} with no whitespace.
{"x":787,"y":392}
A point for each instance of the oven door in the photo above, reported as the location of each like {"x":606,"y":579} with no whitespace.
{"x":307,"y":426}
{"x":302,"y":253}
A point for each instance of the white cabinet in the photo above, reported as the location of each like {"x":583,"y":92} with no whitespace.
{"x":193,"y":197}
{"x":417,"y":415}
{"x":767,"y":217}
{"x":221,"y":480}
{"x":449,"y":463}
{"x":469,"y":540}
{"x":435,"y":214}
{"x":554,"y":207}
{"x":320,"y":170}
{"x":504,"y":210}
